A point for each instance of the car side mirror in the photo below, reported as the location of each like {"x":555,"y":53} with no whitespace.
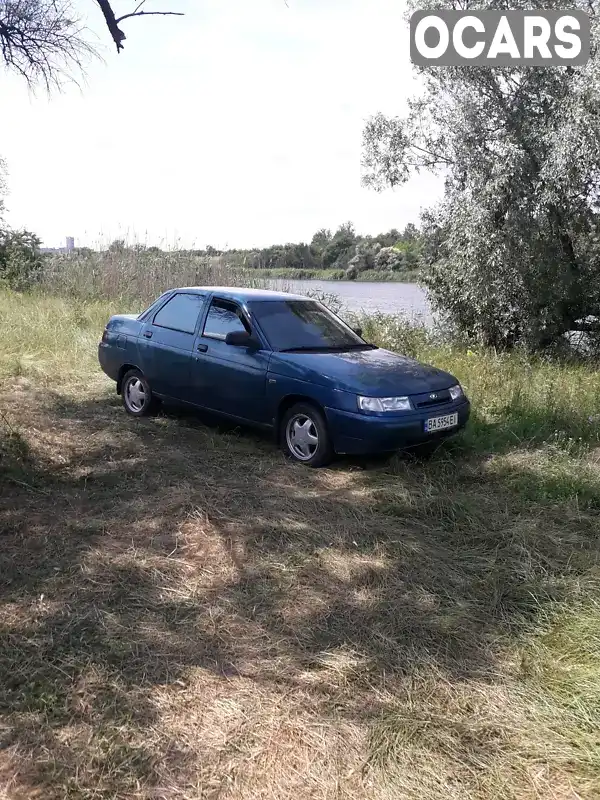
{"x":240,"y":339}
{"x":358,"y":331}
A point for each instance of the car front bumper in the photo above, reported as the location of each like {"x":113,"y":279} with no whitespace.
{"x":358,"y":434}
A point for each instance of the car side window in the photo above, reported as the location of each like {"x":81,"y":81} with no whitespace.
{"x":224,"y":317}
{"x":145,"y":315}
{"x":180,"y":313}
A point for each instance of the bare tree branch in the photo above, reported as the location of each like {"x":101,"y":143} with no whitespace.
{"x":151,"y":14}
{"x":112,"y":22}
{"x":42,"y":41}
{"x":117,"y":34}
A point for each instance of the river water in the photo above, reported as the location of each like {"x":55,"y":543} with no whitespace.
{"x":406,"y":299}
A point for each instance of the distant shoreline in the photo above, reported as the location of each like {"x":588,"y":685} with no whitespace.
{"x":371,"y":275}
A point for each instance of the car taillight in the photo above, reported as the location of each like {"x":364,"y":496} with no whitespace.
{"x":105,"y":335}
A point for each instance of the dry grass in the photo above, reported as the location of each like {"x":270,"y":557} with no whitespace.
{"x":184,"y":614}
{"x":137,"y":272}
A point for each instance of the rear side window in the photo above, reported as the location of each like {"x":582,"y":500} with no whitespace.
{"x":223,"y":318}
{"x":180,"y":313}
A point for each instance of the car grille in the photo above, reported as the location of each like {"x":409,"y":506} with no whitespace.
{"x":431,"y":399}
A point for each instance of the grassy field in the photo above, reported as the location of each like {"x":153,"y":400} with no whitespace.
{"x":185,"y":614}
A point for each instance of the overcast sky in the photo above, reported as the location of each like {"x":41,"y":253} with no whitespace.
{"x":237,"y":125}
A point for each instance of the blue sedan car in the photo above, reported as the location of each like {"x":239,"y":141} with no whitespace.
{"x":279,"y":361}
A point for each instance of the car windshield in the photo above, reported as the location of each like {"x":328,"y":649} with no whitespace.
{"x":292,"y":325}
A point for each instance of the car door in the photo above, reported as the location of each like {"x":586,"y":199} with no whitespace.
{"x":166,"y":344}
{"x":227,"y":378}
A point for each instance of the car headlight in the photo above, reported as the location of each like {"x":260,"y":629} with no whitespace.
{"x":456,"y":392}
{"x":382,"y":404}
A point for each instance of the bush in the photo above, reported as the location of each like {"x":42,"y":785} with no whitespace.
{"x":364,"y":257}
{"x":329,"y":299}
{"x":390,"y":258}
{"x":393,"y":332}
{"x":20,"y":259}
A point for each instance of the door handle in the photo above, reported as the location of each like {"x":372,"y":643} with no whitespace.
{"x":148,"y":334}
{"x":202,"y":348}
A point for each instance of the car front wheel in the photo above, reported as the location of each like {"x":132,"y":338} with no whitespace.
{"x":137,"y":395}
{"x":304,"y":436}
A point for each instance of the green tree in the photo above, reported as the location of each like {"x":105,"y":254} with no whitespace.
{"x":20,"y":259}
{"x":364,"y":258}
{"x":320,"y":241}
{"x":390,"y":238}
{"x":410,"y":233}
{"x":3,"y":185}
{"x":117,"y":247}
{"x":390,"y":258}
{"x":411,"y":249}
{"x":339,"y":250}
{"x":509,"y":249}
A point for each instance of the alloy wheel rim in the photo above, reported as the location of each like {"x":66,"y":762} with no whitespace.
{"x":302,"y":437}
{"x":135,"y":394}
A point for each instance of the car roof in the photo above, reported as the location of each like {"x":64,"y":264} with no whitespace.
{"x":243,"y":295}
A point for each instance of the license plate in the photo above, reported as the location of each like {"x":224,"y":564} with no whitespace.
{"x":441,"y":423}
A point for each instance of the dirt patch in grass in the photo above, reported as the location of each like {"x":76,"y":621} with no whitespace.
{"x":183,"y":613}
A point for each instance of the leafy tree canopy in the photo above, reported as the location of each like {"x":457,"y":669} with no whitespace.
{"x":513,"y":248}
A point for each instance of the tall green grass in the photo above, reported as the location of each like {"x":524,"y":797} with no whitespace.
{"x":52,"y":338}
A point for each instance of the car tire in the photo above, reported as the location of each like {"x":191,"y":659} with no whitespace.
{"x":304,"y":436}
{"x":136,"y":394}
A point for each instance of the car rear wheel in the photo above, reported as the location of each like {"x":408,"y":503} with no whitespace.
{"x":304,"y":436}
{"x":137,"y":396}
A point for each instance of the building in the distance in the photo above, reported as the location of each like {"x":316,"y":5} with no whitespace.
{"x":68,"y":248}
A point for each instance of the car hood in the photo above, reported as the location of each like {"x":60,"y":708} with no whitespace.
{"x":373,"y":373}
